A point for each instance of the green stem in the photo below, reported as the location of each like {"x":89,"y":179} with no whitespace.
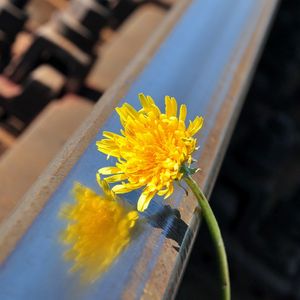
{"x":215,"y":234}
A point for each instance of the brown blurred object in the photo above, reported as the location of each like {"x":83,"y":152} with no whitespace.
{"x":6,"y":140}
{"x":115,"y":55}
{"x":25,"y":161}
{"x":8,"y":88}
{"x":40,"y":11}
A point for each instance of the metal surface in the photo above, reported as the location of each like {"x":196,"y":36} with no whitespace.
{"x":206,"y":63}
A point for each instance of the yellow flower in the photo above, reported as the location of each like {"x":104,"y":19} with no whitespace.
{"x":99,"y":227}
{"x":151,"y":148}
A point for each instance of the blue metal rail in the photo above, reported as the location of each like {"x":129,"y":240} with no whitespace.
{"x":206,"y":62}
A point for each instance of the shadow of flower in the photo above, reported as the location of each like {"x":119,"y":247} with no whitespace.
{"x":169,"y":220}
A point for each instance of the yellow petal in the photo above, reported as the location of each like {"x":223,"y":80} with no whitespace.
{"x":171,"y":106}
{"x":111,"y":135}
{"x":195,"y":125}
{"x":126,"y":110}
{"x":144,"y":200}
{"x":105,"y":187}
{"x":149,"y":106}
{"x":174,"y":106}
{"x":121,"y":189}
{"x":116,"y":178}
{"x":183,"y":112}
{"x":107,"y":146}
{"x":170,"y":191}
{"x":162,"y":192}
{"x":109,"y":170}
{"x":145,"y":102}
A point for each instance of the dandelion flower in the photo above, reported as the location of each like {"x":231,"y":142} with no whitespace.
{"x":153,"y":150}
{"x":150,"y":149}
{"x":99,"y":228}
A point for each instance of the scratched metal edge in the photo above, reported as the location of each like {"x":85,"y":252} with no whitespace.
{"x":13,"y":228}
{"x":259,"y":34}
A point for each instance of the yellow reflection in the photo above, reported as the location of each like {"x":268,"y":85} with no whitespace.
{"x":99,"y":228}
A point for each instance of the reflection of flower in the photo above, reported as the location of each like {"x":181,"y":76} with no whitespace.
{"x":151,"y":149}
{"x":99,"y":227}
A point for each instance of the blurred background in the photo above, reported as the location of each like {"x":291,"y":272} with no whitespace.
{"x":57,"y":57}
{"x":257,"y":194}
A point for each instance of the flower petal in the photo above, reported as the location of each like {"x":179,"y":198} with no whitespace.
{"x":144,"y":200}
{"x":116,"y":178}
{"x":151,"y":148}
{"x":195,"y":126}
{"x":122,"y":188}
{"x":170,"y":191}
{"x":126,"y":111}
{"x":145,"y":102}
{"x":171,"y":106}
{"x":183,"y":112}
{"x":109,"y":170}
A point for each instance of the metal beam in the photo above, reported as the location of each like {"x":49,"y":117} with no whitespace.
{"x":204,"y":55}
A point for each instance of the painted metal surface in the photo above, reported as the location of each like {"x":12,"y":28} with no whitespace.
{"x":197,"y":64}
